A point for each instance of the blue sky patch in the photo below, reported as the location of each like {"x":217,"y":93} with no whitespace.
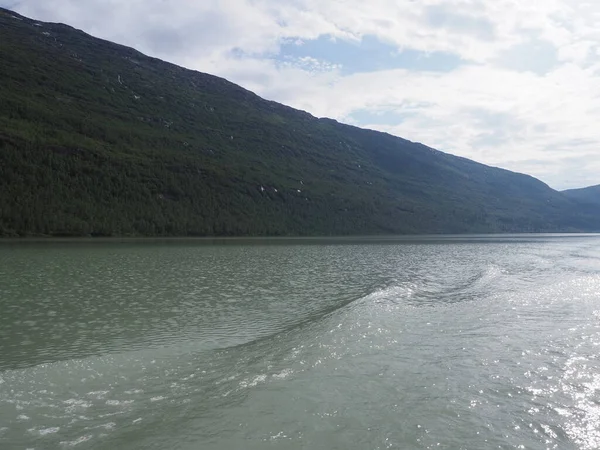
{"x":367,"y":55}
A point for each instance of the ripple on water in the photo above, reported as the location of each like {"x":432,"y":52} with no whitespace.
{"x":44,"y":431}
{"x":118,"y":402}
{"x":77,"y":403}
{"x":78,"y":441}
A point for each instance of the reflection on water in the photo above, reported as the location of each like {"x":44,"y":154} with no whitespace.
{"x":367,"y":343}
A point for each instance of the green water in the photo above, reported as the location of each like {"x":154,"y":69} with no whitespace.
{"x":457,"y":343}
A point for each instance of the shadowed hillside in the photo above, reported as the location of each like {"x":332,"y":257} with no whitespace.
{"x":98,"y":139}
{"x":590,"y":195}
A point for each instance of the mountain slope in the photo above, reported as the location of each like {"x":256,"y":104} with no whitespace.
{"x":589,"y":195}
{"x":96,"y":138}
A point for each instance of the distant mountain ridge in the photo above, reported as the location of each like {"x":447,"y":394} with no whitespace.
{"x":99,"y":139}
{"x":589,"y":195}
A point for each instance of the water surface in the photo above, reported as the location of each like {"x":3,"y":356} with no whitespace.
{"x":458,"y":343}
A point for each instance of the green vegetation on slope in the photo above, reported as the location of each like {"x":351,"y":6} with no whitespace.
{"x":96,"y":138}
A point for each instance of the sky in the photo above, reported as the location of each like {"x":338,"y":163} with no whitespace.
{"x":510,"y":83}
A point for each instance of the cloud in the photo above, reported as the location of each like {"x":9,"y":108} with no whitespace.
{"x":445,"y":17}
{"x":537,"y":56}
{"x":513,"y":84}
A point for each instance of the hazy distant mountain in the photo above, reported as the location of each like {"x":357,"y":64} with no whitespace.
{"x":590,"y":195}
{"x":96,"y":138}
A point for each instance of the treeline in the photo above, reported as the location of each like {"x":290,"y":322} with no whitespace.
{"x":58,"y":191}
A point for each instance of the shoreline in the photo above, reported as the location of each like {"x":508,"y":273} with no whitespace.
{"x":408,"y":238}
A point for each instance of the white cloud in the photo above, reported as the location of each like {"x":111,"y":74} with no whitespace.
{"x":527,"y":100}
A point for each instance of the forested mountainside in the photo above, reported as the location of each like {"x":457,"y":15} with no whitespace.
{"x":590,"y":195}
{"x":98,"y":139}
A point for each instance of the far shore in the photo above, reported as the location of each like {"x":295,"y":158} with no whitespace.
{"x":406,"y":238}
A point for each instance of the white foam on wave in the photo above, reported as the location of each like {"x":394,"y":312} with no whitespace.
{"x":45,"y":431}
{"x":278,"y":436}
{"x":119,"y":402}
{"x":134,"y":391}
{"x":98,"y":394}
{"x":254,"y":382}
{"x":391,"y":294}
{"x":283,"y":374}
{"x":79,"y":440}
{"x":74,"y":402}
{"x":491,"y":273}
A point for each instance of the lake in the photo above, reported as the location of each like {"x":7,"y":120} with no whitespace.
{"x":470,"y":342}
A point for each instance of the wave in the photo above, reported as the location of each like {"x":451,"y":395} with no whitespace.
{"x":428,"y":291}
{"x":435,"y":291}
{"x":411,"y":293}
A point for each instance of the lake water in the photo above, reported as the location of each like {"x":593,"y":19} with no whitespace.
{"x":417,"y":343}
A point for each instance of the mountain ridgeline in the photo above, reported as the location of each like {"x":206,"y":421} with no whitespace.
{"x":98,"y":139}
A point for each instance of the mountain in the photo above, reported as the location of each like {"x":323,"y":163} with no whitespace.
{"x":589,"y":195}
{"x":99,"y":139}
